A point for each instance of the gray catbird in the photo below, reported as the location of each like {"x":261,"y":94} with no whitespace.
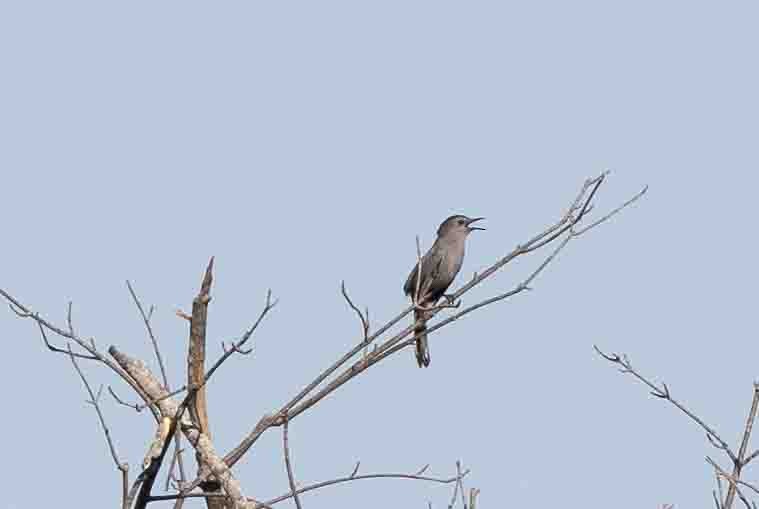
{"x":439,"y":268}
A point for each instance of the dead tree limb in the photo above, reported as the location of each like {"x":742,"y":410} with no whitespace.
{"x":196,"y":355}
{"x":152,"y":468}
{"x":168,"y":407}
{"x":177,"y":457}
{"x":739,"y":460}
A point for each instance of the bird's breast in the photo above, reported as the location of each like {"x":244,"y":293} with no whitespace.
{"x":454,"y":258}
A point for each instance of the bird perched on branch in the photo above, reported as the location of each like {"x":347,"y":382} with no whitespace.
{"x":439,"y":268}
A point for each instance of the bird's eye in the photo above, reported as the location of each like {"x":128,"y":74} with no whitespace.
{"x":461,"y":221}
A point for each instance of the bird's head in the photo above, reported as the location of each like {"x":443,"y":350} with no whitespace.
{"x":458,"y":225}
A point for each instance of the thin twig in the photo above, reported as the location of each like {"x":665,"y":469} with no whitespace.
{"x":612,"y":213}
{"x":664,"y":393}
{"x":717,"y":502}
{"x":733,"y":482}
{"x":719,"y":488}
{"x":455,"y":489}
{"x":89,"y":346}
{"x":139,"y":407}
{"x":153,"y":339}
{"x":121,"y":401}
{"x":461,"y":484}
{"x":473,"y":494}
{"x":751,"y":457}
{"x":95,"y":401}
{"x":245,"y":337}
{"x":175,"y":457}
{"x":288,"y":465}
{"x":458,"y":488}
{"x":60,"y":350}
{"x":364,"y":320}
{"x":739,"y":463}
{"x":234,"y":348}
{"x":315,"y":486}
{"x":366,"y":476}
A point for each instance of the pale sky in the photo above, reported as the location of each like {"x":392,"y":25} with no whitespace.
{"x":303,"y":143}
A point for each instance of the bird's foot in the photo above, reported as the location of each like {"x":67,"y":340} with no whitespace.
{"x":451,"y":301}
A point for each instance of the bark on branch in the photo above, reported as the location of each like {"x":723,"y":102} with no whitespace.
{"x":169,"y":407}
{"x":196,"y":355}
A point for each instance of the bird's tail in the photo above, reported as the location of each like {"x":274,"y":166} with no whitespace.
{"x":422,"y":348}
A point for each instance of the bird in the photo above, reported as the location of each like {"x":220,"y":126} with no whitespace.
{"x":440,"y":265}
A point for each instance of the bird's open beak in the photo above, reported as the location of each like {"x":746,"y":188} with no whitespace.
{"x":472,"y":221}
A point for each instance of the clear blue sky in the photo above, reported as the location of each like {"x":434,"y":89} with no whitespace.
{"x":303,"y":143}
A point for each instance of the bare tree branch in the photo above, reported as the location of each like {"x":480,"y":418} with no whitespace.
{"x":151,"y":472}
{"x":168,"y":407}
{"x":133,"y":492}
{"x":176,"y":458}
{"x":663,"y":393}
{"x":733,"y":484}
{"x":751,"y":457}
{"x":196,"y":358}
{"x":719,"y":500}
{"x":196,"y":354}
{"x":366,"y":476}
{"x":580,"y":207}
{"x":459,"y":487}
{"x":237,"y":346}
{"x":89,"y":346}
{"x":394,"y":344}
{"x":716,"y":500}
{"x":121,"y":401}
{"x":149,"y":328}
{"x":60,"y":350}
{"x":331,"y":482}
{"x":473,"y":494}
{"x":740,"y":462}
{"x":150,"y":403}
{"x":364,"y":319}
{"x":95,"y":402}
{"x":288,"y":466}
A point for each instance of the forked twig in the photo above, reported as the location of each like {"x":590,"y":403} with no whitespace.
{"x":664,"y":393}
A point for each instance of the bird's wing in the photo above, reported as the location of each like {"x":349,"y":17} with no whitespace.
{"x":410,"y":286}
{"x":429,"y":272}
